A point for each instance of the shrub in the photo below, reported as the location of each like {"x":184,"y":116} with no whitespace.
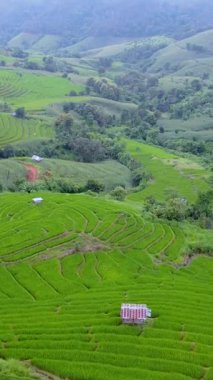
{"x":95,"y":186}
{"x":119,"y":193}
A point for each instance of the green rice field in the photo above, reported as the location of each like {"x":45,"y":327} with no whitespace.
{"x":169,"y":173}
{"x":66,"y":267}
{"x":34,"y":91}
{"x":14,"y":130}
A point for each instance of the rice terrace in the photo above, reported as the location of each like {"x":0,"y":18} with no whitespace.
{"x":106,"y":200}
{"x":66,"y":303}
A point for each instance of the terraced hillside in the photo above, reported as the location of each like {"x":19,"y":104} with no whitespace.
{"x":14,"y":130}
{"x":67,"y":265}
{"x":34,"y":90}
{"x":110,"y":173}
{"x":169,"y":173}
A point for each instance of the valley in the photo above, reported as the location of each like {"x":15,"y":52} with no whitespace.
{"x":117,"y":106}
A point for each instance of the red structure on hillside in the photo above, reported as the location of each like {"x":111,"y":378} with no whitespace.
{"x":134,"y":313}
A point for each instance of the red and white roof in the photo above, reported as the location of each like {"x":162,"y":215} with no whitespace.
{"x":135,"y":312}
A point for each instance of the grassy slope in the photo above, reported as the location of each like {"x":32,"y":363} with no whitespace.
{"x":10,"y":172}
{"x":197,"y":127}
{"x":110,"y":50}
{"x":170,"y":172}
{"x":177,"y":53}
{"x":14,"y":130}
{"x":23,"y":40}
{"x":47,"y":43}
{"x":34,"y":90}
{"x":110,"y":172}
{"x":66,"y":317}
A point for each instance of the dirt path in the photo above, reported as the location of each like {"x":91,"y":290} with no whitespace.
{"x":32,"y":173}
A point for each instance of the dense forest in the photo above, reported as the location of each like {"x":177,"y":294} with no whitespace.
{"x":117,"y":18}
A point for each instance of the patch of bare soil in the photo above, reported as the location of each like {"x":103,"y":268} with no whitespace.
{"x":32,"y":173}
{"x":85,"y":244}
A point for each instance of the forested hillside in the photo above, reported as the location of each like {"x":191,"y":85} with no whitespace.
{"x":115,"y":19}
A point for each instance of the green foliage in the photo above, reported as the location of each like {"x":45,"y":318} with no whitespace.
{"x":15,"y":370}
{"x":64,"y":129}
{"x":119,"y":193}
{"x":202,"y":210}
{"x":103,"y":88}
{"x":88,"y":150}
{"x":20,"y":113}
{"x":94,"y":185}
{"x":173,"y":209}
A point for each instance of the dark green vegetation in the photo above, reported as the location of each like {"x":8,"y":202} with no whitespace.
{"x":94,"y":21}
{"x":120,"y":109}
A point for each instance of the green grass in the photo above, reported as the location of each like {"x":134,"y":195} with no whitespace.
{"x":14,"y":370}
{"x":169,"y":172}
{"x":112,"y":106}
{"x":110,"y":173}
{"x":11,"y":172}
{"x":112,"y":49}
{"x":23,"y":40}
{"x":47,"y":43}
{"x":13,"y":130}
{"x":61,"y":310}
{"x":177,"y":54}
{"x":34,"y":90}
{"x":198,"y":127}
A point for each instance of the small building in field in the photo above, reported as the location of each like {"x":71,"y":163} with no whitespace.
{"x":134,"y":313}
{"x":37,"y":201}
{"x":37,"y":158}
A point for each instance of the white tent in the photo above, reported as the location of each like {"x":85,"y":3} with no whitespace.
{"x":37,"y":201}
{"x":37,"y":158}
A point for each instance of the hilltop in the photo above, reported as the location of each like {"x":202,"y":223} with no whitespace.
{"x":65,"y":26}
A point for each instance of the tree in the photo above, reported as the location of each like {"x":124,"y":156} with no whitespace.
{"x":203,"y":205}
{"x":95,"y":186}
{"x":87,"y":150}
{"x":64,"y":129}
{"x":20,"y":113}
{"x":196,"y":85}
{"x":119,"y":193}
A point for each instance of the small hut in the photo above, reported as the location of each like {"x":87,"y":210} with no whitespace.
{"x":37,"y":201}
{"x":37,"y":158}
{"x":134,"y":313}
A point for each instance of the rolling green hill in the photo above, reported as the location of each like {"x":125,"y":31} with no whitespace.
{"x":194,"y":50}
{"x":71,"y":263}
